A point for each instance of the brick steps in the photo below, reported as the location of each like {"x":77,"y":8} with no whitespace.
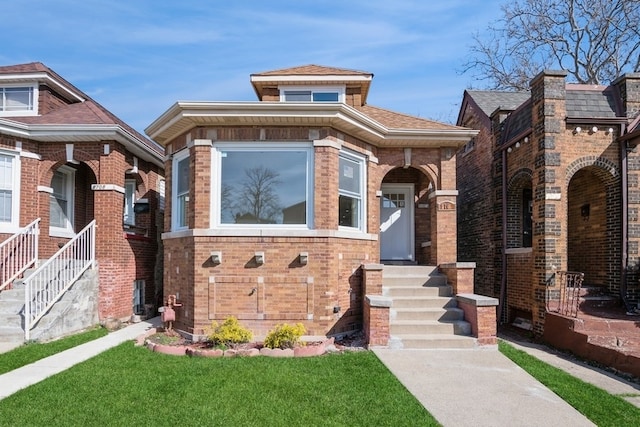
{"x":610,"y":337}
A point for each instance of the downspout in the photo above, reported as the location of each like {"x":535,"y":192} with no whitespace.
{"x":503,"y":281}
{"x":624,"y":166}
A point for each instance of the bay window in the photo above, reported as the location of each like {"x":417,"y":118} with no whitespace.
{"x":266,"y":186}
{"x":351,"y":190}
{"x":180,"y":198}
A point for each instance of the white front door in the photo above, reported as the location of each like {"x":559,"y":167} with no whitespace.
{"x":396,"y":223}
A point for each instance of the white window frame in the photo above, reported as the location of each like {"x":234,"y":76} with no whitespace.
{"x":69,"y":190}
{"x":176,"y":223}
{"x":340,"y":90}
{"x":362,"y":196}
{"x":13,"y":225}
{"x":217,"y":182}
{"x":129,"y":214}
{"x":32,"y":111}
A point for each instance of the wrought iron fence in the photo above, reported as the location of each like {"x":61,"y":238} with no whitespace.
{"x":563,"y":293}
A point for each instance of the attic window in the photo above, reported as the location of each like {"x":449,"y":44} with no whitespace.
{"x":17,"y":100}
{"x":320,"y":94}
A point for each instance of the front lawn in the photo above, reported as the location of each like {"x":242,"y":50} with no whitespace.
{"x":130,"y":385}
{"x":596,"y":404}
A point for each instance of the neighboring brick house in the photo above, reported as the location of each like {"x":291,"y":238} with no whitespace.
{"x":274,"y":206}
{"x":550,"y":183}
{"x":67,"y":160}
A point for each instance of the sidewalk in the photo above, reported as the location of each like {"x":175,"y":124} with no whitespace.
{"x":35,"y":372}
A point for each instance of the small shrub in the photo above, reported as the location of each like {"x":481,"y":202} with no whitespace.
{"x":284,"y":336}
{"x":229,"y":333}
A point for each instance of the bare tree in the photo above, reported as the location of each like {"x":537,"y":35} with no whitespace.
{"x":258,"y":197}
{"x":593,"y":40}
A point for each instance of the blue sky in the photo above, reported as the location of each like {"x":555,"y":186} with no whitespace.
{"x":138,"y":57}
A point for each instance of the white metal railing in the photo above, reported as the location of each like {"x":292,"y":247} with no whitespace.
{"x":18,"y":253}
{"x":48,"y":283}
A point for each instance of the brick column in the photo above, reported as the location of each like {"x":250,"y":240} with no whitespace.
{"x":459,"y":276}
{"x":200,"y":194}
{"x":548,"y":94}
{"x":480,"y":312}
{"x":375,"y":313}
{"x":443,"y":226}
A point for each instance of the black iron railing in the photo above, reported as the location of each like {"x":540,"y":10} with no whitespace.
{"x":563,"y":293}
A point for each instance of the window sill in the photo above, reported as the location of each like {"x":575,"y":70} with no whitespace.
{"x":256,"y":232}
{"x":516,"y":251}
{"x":60,"y":232}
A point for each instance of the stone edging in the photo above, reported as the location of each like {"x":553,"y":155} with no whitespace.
{"x":182,"y":350}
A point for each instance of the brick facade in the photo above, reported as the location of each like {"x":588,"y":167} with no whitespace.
{"x":326,"y":293}
{"x":557,"y":146}
{"x":100,"y":163}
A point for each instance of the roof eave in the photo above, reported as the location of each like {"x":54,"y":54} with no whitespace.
{"x":184,"y":116}
{"x":72,"y":133}
{"x":44,"y":78}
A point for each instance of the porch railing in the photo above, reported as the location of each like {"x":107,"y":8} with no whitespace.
{"x":18,"y":253}
{"x":48,"y":283}
{"x":563,"y":293}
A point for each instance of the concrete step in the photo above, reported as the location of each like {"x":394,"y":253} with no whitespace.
{"x":418,"y":275}
{"x":10,"y":334}
{"x":423,"y":302}
{"x":413,"y":290}
{"x":423,"y":341}
{"x":421,"y":313}
{"x":7,"y":319}
{"x":415,"y":280}
{"x":429,"y":327}
{"x":15,"y":294}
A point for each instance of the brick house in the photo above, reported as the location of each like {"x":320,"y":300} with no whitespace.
{"x":66,"y":161}
{"x":283,"y":209}
{"x":550,"y":184}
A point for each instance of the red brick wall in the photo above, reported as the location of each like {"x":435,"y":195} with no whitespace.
{"x":121,"y":258}
{"x":326,"y":294}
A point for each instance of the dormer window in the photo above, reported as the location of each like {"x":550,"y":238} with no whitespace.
{"x":18,"y":100}
{"x":317,"y":94}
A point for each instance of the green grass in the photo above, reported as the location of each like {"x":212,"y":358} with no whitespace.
{"x":32,"y":352}
{"x":130,"y":385}
{"x":596,"y":404}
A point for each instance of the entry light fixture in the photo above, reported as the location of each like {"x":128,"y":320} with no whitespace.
{"x":609,"y":131}
{"x":259,"y":258}
{"x":577,"y":130}
{"x":518,"y":144}
{"x":509,"y":150}
{"x":594,"y":129}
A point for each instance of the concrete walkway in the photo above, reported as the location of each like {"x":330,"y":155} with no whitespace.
{"x":25,"y":376}
{"x":482,"y":387}
{"x":477,"y":387}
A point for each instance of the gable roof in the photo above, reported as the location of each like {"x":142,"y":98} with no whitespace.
{"x":489,"y":101}
{"x":80,"y":119}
